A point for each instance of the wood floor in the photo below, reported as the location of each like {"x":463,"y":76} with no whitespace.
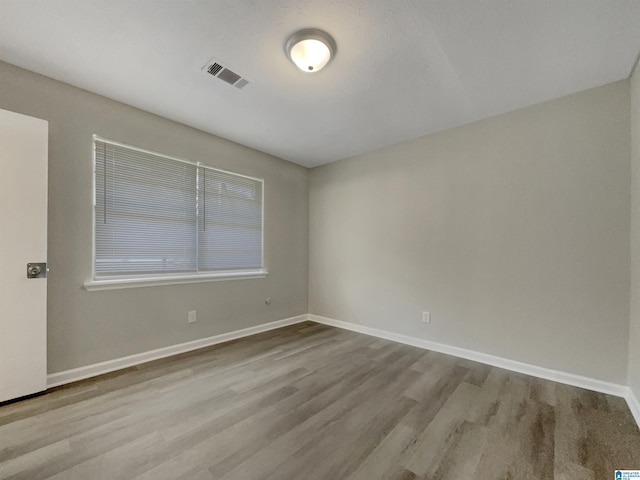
{"x":312,"y":402}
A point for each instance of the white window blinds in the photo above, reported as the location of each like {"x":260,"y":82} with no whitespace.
{"x":155,"y":215}
{"x":229,"y":222}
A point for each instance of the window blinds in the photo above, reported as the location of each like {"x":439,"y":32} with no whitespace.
{"x":229,"y":222}
{"x":156,"y":215}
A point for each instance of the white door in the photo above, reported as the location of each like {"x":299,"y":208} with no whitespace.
{"x":23,"y":240}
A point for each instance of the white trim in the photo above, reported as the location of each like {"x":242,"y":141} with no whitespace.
{"x":118,"y":283}
{"x":73,"y":375}
{"x":513,"y":365}
{"x":262,"y":229}
{"x":95,"y":284}
{"x":93,"y":208}
{"x":169,"y":157}
{"x":81,"y":373}
{"x":634,"y":405}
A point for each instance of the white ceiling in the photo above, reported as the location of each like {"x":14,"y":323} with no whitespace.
{"x":403,"y":68}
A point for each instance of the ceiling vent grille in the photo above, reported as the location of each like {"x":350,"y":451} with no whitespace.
{"x":221,"y":72}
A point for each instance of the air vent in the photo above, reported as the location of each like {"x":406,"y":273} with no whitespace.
{"x":215,"y":68}
{"x":221,"y":72}
{"x":228,"y":76}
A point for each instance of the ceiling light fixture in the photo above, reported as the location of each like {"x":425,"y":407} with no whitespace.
{"x":310,"y":49}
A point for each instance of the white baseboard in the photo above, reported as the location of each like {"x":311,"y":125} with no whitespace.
{"x":81,"y":373}
{"x":68,"y":376}
{"x":513,"y":365}
{"x":634,"y":405}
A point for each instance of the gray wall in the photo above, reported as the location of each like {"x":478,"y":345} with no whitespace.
{"x":88,"y":327}
{"x":513,"y":232}
{"x":634,"y":334}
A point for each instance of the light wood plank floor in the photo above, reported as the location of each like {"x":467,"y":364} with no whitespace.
{"x":313,"y":402}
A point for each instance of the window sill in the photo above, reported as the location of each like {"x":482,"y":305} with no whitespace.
{"x":119,"y":283}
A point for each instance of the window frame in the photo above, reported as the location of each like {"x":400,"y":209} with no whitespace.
{"x":111,"y":282}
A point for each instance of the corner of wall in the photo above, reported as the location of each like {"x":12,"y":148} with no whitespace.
{"x":633,"y":366}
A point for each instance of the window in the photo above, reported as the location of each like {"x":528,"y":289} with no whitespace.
{"x":163,"y":220}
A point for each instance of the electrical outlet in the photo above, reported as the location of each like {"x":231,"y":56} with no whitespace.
{"x":192,"y":317}
{"x":426,"y":317}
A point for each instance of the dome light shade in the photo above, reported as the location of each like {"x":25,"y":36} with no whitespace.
{"x":310,"y":49}
{"x":310,"y":55}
